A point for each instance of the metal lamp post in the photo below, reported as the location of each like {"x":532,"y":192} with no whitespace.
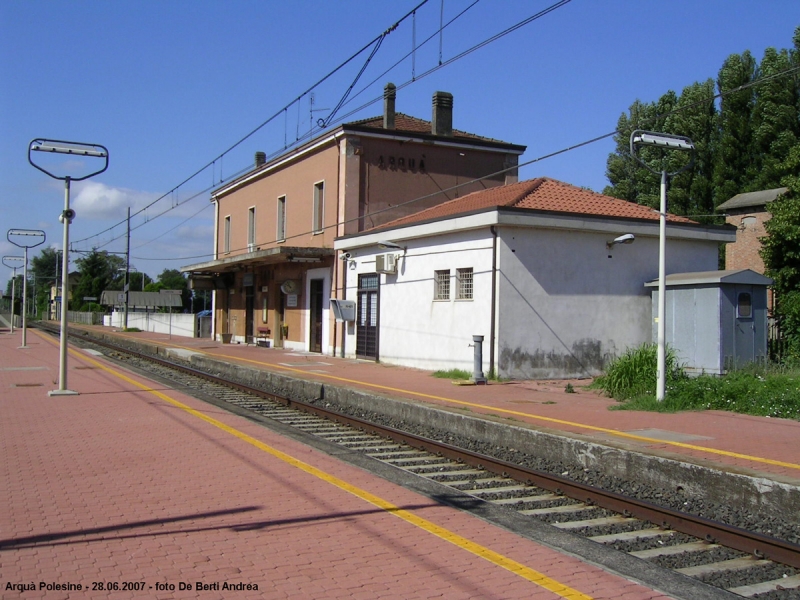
{"x":74,"y":149}
{"x":31,"y":236}
{"x":6,"y":260}
{"x":667,"y":142}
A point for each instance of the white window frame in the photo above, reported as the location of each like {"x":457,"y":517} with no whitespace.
{"x":441,"y":285}
{"x":226,"y":239}
{"x":465,"y":286}
{"x":318,"y":208}
{"x":280,"y":232}
{"x":251,"y":229}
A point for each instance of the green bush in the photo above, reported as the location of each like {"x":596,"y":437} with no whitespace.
{"x":453,"y":374}
{"x":634,"y":373}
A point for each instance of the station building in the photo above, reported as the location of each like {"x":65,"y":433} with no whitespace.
{"x":275,"y":271}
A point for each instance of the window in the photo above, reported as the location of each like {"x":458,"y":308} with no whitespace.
{"x":251,"y":229}
{"x":319,"y":204}
{"x":281,"y":233}
{"x":226,"y":240}
{"x":464,"y":283}
{"x":441,"y":280}
{"x":744,"y":310}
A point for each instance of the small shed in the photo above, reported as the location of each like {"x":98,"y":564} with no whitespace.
{"x":142,"y":301}
{"x":715,"y":320}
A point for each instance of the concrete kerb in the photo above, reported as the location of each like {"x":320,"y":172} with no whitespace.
{"x":739,"y":491}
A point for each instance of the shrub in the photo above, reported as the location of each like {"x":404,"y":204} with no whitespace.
{"x":634,"y":373}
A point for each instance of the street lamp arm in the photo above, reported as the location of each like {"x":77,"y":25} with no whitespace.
{"x":661,"y":140}
{"x":73,"y":148}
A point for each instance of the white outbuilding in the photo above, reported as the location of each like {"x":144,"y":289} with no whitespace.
{"x":551,"y":275}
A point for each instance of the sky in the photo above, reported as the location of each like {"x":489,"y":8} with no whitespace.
{"x":181,"y":93}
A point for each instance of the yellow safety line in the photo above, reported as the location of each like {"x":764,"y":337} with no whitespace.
{"x":440,"y":532}
{"x":613,"y":432}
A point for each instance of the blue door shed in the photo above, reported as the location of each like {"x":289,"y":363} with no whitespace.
{"x":716,"y":320}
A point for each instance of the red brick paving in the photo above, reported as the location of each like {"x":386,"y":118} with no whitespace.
{"x":118,"y":485}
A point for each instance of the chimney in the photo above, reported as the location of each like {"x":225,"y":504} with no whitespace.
{"x":261,"y":159}
{"x":442,"y":121}
{"x":389,"y":94}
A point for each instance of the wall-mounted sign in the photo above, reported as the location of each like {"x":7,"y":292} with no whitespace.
{"x":247,"y":280}
{"x":291,"y":300}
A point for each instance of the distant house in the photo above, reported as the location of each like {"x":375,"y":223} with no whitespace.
{"x":748,"y":213}
{"x":531,"y":266}
{"x":273,"y":270}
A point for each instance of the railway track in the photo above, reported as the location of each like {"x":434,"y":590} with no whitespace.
{"x":744,"y":563}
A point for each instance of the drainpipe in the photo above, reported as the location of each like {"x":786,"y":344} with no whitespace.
{"x":344,"y":297}
{"x":492,"y":370}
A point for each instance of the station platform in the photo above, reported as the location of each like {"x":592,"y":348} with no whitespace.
{"x":757,"y":446}
{"x":133,"y":490}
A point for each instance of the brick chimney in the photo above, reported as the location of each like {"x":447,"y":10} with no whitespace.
{"x":261,"y":159}
{"x":389,"y":95}
{"x":442,"y":121}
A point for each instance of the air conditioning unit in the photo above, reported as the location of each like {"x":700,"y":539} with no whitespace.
{"x":386,"y":263}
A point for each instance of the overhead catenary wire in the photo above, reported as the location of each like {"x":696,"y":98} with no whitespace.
{"x":780,"y":74}
{"x":272,"y":117}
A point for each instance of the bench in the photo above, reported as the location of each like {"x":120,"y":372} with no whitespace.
{"x":261,"y":338}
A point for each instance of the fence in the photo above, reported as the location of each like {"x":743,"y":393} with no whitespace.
{"x":177,"y":324}
{"x":85,"y":318}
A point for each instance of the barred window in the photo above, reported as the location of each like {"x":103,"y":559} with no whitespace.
{"x":441,"y":280}
{"x":464,"y":283}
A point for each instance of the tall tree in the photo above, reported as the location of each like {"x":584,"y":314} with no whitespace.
{"x":732,"y":155}
{"x":695,"y":116}
{"x":98,"y":270}
{"x":46,"y":268}
{"x":775,"y":121}
{"x":172,"y":279}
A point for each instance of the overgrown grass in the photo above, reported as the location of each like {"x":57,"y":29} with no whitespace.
{"x":768,"y":391}
{"x":634,"y":373}
{"x":452,"y":374}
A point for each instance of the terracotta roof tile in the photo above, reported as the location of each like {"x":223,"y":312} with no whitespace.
{"x":541,"y":194}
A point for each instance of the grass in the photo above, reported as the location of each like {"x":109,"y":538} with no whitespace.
{"x":767,"y":391}
{"x":452,"y":374}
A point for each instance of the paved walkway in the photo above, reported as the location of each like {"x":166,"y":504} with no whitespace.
{"x":130,"y":490}
{"x":756,"y":445}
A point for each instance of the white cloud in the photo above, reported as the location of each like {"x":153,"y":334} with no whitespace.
{"x":99,"y":201}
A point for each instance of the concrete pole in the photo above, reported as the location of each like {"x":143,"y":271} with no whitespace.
{"x":661,"y":383}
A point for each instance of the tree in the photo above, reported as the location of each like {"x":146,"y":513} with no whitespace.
{"x":781,"y":253}
{"x":775,"y":121}
{"x":732,"y":155}
{"x":172,"y":279}
{"x":693,"y":114}
{"x":46,"y":268}
{"x":98,"y":270}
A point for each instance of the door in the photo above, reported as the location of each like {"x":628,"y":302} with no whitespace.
{"x":315,"y":307}
{"x":367,"y":320}
{"x":249,"y":312}
{"x":744,"y":329}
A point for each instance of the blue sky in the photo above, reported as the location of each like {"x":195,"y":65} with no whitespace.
{"x":168,"y":87}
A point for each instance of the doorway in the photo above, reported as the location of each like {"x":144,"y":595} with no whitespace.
{"x":367,"y":319}
{"x":316,"y":295}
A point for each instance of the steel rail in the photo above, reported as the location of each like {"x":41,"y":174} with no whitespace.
{"x":759,"y":545}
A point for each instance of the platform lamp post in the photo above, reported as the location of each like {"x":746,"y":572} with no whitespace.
{"x":74,"y":149}
{"x":25,"y":238}
{"x":12,"y":260}
{"x":666,"y":142}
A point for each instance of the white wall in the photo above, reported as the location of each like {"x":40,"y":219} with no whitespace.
{"x":415,"y":329}
{"x":566,"y":308}
{"x":176,"y":324}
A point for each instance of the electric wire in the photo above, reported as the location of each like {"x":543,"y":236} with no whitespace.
{"x":270,"y":119}
{"x":541,"y":158}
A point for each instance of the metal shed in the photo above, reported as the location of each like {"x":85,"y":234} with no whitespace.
{"x":716,"y":320}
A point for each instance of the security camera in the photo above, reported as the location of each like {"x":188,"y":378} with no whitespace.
{"x":345,"y":256}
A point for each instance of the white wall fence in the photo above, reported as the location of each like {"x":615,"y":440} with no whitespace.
{"x":85,"y":318}
{"x":175,"y":324}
